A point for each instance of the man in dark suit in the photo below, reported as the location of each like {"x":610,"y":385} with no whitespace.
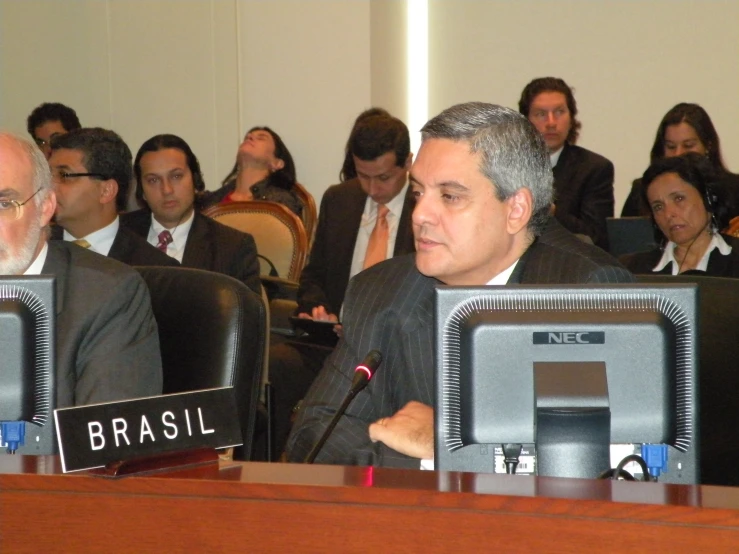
{"x":91,"y":172}
{"x":107,"y":341}
{"x":167,"y":179}
{"x":583,"y":180}
{"x":380,"y":149}
{"x":483,"y":187}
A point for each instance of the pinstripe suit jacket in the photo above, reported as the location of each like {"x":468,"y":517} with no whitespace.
{"x":389,"y":307}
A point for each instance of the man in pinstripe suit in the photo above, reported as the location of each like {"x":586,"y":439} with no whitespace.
{"x":483,"y":187}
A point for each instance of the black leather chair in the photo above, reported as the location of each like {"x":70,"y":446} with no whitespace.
{"x":718,"y":377}
{"x":212,"y":332}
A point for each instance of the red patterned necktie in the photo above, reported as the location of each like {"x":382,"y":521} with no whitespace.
{"x":165,"y":238}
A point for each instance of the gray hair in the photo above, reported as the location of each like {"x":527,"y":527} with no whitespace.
{"x":40,"y":172}
{"x":513,"y":153}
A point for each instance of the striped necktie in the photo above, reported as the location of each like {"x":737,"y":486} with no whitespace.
{"x":165,"y":238}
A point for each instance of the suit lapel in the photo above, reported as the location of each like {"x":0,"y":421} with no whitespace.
{"x":57,"y":262}
{"x":196,"y":253}
{"x":121,"y":248}
{"x":351,"y":215}
{"x":404,"y":242}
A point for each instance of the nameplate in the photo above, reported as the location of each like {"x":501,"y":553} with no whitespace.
{"x":95,"y":435}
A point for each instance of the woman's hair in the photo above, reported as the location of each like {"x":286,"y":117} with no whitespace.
{"x":283,"y":178}
{"x":162,"y":142}
{"x":696,"y":170}
{"x":698,"y":119}
{"x":348,"y":171}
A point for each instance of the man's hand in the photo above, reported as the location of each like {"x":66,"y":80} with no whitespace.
{"x":319,"y":313}
{"x":410,"y":431}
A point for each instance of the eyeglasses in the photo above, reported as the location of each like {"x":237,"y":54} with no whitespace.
{"x":10,"y":210}
{"x":63,"y":176}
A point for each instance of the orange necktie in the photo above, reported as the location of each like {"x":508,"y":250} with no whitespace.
{"x":377,"y":245}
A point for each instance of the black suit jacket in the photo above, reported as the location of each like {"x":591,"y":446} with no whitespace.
{"x":718,"y":264}
{"x":583,"y":192}
{"x":129,"y":248}
{"x":325,"y":277}
{"x":107,"y":340}
{"x":211,"y":246}
{"x":390,"y":307}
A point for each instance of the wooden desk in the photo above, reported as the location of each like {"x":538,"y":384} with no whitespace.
{"x":257,"y":507}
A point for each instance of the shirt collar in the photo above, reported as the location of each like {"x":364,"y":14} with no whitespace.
{"x":179,"y":233}
{"x":395,"y":206}
{"x":554,"y":156}
{"x":502,"y":277}
{"x":101,"y":240}
{"x":668,"y":255}
{"x":38,"y":264}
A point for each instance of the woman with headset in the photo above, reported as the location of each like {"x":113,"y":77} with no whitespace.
{"x":685,"y":128}
{"x":688,"y":208}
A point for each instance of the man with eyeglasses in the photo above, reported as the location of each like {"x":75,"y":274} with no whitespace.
{"x":91,"y":171}
{"x":50,"y":120}
{"x":107,"y":341}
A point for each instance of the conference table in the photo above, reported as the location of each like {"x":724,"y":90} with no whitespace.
{"x":259,"y":507}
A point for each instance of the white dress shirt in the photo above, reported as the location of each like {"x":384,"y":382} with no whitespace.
{"x":668,"y":256}
{"x":101,"y":240}
{"x":38,"y":264}
{"x":554,"y":156}
{"x":176,"y":248}
{"x":367,"y":224}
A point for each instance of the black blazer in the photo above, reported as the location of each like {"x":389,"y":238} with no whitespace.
{"x":583,"y":192}
{"x":718,"y":264}
{"x":390,"y":307}
{"x":325,"y":277}
{"x":129,"y":248}
{"x":211,"y":246}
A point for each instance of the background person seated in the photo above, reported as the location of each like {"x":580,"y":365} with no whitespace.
{"x":583,"y":180}
{"x":264,"y":170}
{"x":685,"y":128}
{"x":48,"y":121}
{"x":107,"y":340}
{"x":379,"y":146}
{"x":688,"y":210}
{"x":167,"y":179}
{"x":91,"y":171}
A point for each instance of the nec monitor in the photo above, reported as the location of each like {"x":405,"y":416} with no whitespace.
{"x":27,"y":361}
{"x":580,"y":376}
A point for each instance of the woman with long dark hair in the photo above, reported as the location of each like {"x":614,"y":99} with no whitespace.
{"x":264,"y":170}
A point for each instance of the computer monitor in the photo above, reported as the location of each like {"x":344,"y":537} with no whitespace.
{"x":27,"y":360}
{"x":579,"y":375}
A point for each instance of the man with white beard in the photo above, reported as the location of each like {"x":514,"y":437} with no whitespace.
{"x":107,"y":341}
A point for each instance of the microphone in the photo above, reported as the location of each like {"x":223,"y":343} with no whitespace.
{"x":362,"y":375}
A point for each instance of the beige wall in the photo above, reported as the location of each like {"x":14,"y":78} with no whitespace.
{"x":206,"y":70}
{"x":630,"y":62}
{"x":210,"y":69}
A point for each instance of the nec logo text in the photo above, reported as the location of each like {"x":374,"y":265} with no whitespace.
{"x":569,"y":337}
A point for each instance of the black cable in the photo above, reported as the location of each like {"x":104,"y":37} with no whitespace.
{"x":639,"y":460}
{"x":511,"y":455}
{"x":620,"y":472}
